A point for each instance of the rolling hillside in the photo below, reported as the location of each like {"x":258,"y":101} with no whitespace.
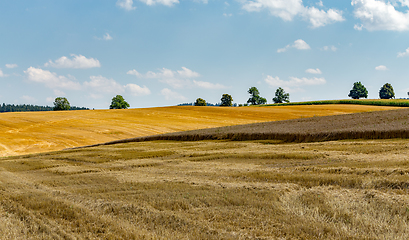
{"x":33,"y":132}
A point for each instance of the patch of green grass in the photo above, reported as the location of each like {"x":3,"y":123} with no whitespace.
{"x":374,"y":102}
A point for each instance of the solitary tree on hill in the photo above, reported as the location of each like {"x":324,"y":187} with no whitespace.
{"x":281,"y":96}
{"x":386,"y":91}
{"x":255,"y":98}
{"x":61,"y":104}
{"x":226,"y":100}
{"x":358,"y":91}
{"x":200,"y":102}
{"x":118,"y":102}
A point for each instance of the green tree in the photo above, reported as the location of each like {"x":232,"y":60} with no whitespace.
{"x":118,"y":102}
{"x":281,"y":96}
{"x":226,"y":100}
{"x":358,"y":91}
{"x":61,"y":104}
{"x":386,"y":91}
{"x":200,"y":102}
{"x":255,"y":98}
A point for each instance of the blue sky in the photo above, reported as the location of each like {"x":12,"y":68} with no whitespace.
{"x":165,"y":52}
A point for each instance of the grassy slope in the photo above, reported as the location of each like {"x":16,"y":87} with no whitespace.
{"x":209,"y":190}
{"x":31,"y":132}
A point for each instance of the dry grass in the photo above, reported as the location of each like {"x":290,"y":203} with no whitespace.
{"x":209,"y":190}
{"x":32,"y":132}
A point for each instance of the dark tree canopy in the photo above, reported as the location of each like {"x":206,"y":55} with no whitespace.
{"x":281,"y":96}
{"x":255,"y":98}
{"x":226,"y":100}
{"x":61,"y":104}
{"x":386,"y":91}
{"x":200,"y":102}
{"x":358,"y":91}
{"x":118,"y":102}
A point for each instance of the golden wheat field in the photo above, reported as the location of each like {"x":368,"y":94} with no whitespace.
{"x":33,"y":132}
{"x":209,"y":190}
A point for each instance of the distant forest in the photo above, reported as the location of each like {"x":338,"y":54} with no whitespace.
{"x":31,"y":108}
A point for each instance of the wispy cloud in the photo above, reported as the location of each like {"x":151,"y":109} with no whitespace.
{"x":288,"y":9}
{"x":329,"y":48}
{"x":313,"y":71}
{"x":11,"y":65}
{"x":298,"y":44}
{"x":107,"y":37}
{"x":168,"y":3}
{"x":404,"y":54}
{"x":100,"y":84}
{"x":126,"y":4}
{"x":77,"y":61}
{"x":293,"y":82}
{"x":177,"y":79}
{"x":381,"y":68}
{"x":170,"y":95}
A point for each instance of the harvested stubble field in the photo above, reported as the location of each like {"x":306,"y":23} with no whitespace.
{"x":33,"y":132}
{"x":209,"y":190}
{"x":367,"y":125}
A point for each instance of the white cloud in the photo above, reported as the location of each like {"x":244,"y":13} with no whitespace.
{"x":381,"y":68}
{"x":163,"y":73}
{"x":100,"y":84}
{"x":404,"y":54}
{"x":51,"y":80}
{"x":288,"y":9}
{"x":358,"y":27}
{"x":187,"y":73}
{"x":78,"y":61}
{"x":107,"y":37}
{"x":2,"y":74}
{"x":103,"y":84}
{"x":293,"y":82}
{"x":137,"y":90}
{"x":176,"y":83}
{"x":11,"y":65}
{"x":227,"y":15}
{"x":134,"y":72}
{"x":125,"y":4}
{"x":208,"y":85}
{"x":313,"y":71}
{"x":168,"y":3}
{"x":169,"y":95}
{"x":166,"y":73}
{"x":177,"y":79}
{"x":380,"y":15}
{"x":320,"y":4}
{"x":298,"y":44}
{"x":329,"y":48}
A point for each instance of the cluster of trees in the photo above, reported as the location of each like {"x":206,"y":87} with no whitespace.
{"x":255,"y":98}
{"x":62,"y":104}
{"x":359,"y":91}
